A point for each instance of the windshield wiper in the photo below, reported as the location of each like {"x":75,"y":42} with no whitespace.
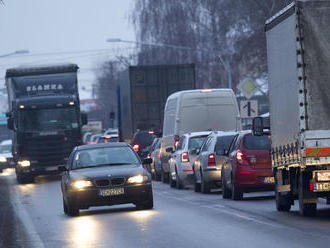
{"x":110,"y":164}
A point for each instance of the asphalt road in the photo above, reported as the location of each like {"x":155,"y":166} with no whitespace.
{"x":181,"y":218}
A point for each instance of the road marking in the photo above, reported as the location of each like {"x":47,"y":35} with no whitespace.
{"x":25,"y":219}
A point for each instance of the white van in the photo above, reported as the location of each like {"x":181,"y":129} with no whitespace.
{"x":194,"y":111}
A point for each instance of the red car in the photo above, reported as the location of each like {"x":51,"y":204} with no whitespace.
{"x":248,"y":167}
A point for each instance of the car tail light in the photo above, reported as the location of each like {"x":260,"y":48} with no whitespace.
{"x":158,"y":155}
{"x":240,"y":157}
{"x":136,"y":148}
{"x":87,"y":142}
{"x":148,"y":155}
{"x":151,"y":132}
{"x":211,"y":160}
{"x":176,"y":141}
{"x":185,"y":157}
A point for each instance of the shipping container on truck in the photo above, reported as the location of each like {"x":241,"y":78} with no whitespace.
{"x":298,"y":48}
{"x":44,"y":115}
{"x":144,"y":92}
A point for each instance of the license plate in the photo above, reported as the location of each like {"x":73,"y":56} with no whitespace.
{"x":111,"y":192}
{"x":269,"y":180}
{"x":323,"y":176}
{"x":319,"y":187}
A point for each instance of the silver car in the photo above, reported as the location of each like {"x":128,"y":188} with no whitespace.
{"x":180,"y":164}
{"x":208,"y":164}
{"x":156,"y":167}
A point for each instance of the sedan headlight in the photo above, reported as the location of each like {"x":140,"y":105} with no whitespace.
{"x":3,"y":160}
{"x":137,"y":179}
{"x":24,"y":163}
{"x":82,"y":184}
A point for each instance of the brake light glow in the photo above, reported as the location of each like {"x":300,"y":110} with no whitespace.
{"x":158,"y":155}
{"x":136,"y":148}
{"x":240,"y":157}
{"x":311,"y":187}
{"x":151,"y":132}
{"x":87,"y":142}
{"x":176,"y":141}
{"x":185,"y":157}
{"x":211,"y":160}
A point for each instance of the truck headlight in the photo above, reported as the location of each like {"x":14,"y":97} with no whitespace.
{"x":3,"y":160}
{"x":24,"y":163}
{"x":137,"y":179}
{"x":82,"y":184}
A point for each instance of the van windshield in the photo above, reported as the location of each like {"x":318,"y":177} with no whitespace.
{"x":251,"y":142}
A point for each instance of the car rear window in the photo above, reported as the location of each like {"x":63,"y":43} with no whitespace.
{"x":196,"y":142}
{"x":224,"y":142}
{"x":257,"y":142}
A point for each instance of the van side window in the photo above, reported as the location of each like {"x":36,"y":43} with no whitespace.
{"x":170,"y":115}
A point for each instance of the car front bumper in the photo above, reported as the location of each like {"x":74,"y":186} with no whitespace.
{"x":84,"y":199}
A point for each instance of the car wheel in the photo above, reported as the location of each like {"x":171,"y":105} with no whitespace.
{"x":197,"y":186}
{"x":164,"y":177}
{"x":148,"y":204}
{"x":236,"y":193}
{"x":226,"y":193}
{"x":72,"y":210}
{"x":65,"y":207}
{"x":24,"y":178}
{"x":157,"y":176}
{"x":205,"y":186}
{"x":178,"y":183}
{"x":171,"y":181}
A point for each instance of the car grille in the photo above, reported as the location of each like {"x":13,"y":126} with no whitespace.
{"x":117,"y":181}
{"x":102,"y":183}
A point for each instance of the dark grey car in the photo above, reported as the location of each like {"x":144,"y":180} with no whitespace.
{"x":208,"y":164}
{"x":105,"y":174}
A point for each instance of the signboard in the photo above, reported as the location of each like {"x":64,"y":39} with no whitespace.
{"x":249,"y":109}
{"x":95,"y":125}
{"x":248,"y":88}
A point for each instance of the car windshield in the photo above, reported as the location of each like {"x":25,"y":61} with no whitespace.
{"x":104,"y":157}
{"x":251,"y":142}
{"x":47,"y":119}
{"x":196,"y":142}
{"x":5,"y":149}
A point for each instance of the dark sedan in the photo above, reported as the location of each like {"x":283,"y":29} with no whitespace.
{"x":105,"y":174}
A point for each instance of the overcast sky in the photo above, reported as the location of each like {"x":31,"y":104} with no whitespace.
{"x":51,"y":26}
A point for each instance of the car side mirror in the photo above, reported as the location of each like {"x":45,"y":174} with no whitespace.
{"x":10,"y":123}
{"x":62,"y":168}
{"x":147,"y":161}
{"x":169,"y":150}
{"x":84,"y":119}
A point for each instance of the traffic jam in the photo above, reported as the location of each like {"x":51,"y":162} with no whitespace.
{"x":168,"y":162}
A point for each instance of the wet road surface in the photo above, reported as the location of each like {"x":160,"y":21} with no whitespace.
{"x":180,"y":218}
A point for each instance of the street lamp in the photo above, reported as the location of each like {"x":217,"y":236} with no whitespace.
{"x":224,"y":62}
{"x":15,"y":53}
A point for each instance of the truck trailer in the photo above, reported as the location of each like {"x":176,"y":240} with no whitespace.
{"x":44,"y":115}
{"x":298,"y":51}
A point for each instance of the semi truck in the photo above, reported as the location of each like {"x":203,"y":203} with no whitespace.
{"x":298,"y":51}
{"x":44,"y":115}
{"x":144,"y":90}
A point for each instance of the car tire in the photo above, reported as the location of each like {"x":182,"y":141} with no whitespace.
{"x":236,"y":193}
{"x":65,"y":207}
{"x":197,"y":186}
{"x":226,"y":193}
{"x":24,"y":178}
{"x":157,"y":176}
{"x":178,"y":182}
{"x":148,"y":204}
{"x":164,"y":177}
{"x":171,"y":181}
{"x":205,"y":186}
{"x":72,"y":210}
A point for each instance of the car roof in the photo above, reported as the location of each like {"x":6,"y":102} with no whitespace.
{"x":6,"y":142}
{"x":193,"y":134}
{"x":225,"y":133}
{"x":101,"y":145}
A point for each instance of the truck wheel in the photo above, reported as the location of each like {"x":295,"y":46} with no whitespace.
{"x":205,"y":186}
{"x":305,"y":209}
{"x":282,"y":202}
{"x":226,"y":193}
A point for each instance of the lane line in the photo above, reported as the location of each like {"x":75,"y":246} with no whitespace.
{"x":26,"y":220}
